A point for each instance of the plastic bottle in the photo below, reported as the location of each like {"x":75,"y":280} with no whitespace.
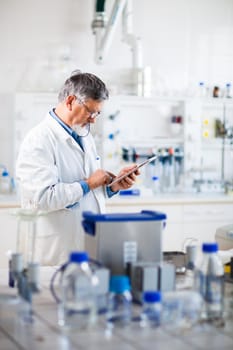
{"x":181,"y":309}
{"x":119,"y":309}
{"x":152,"y":308}
{"x":209,"y":281}
{"x":228,"y":90}
{"x":78,"y":307}
{"x":202,"y":89}
{"x":189,"y":277}
{"x":5,"y":182}
{"x":155,"y":184}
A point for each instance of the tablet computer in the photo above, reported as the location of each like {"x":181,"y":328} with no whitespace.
{"x":147,"y":161}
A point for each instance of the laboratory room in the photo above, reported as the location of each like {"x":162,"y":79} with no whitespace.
{"x":116,"y":174}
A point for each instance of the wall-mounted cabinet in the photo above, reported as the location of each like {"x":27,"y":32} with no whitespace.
{"x":135,"y":128}
{"x":188,"y":125}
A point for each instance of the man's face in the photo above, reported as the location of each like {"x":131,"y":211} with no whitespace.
{"x":85,"y":112}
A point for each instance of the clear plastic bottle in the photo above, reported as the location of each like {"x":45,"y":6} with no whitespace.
{"x":119,"y":309}
{"x":5,"y":182}
{"x":202,"y":89}
{"x":209,"y":281}
{"x":228,"y":90}
{"x":181,"y":309}
{"x":155,"y":184}
{"x":151,"y":310}
{"x":189,"y":277}
{"x":78,"y":307}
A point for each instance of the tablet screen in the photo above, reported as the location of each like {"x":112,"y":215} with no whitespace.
{"x":117,"y":179}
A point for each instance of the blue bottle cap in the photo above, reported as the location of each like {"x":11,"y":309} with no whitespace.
{"x":119,"y":284}
{"x":152,"y":296}
{"x":210,"y":247}
{"x":155,"y":178}
{"x":5,"y":173}
{"x":111,"y":136}
{"x":78,"y":257}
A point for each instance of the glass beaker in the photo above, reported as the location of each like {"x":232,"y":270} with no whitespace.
{"x":26,"y":233}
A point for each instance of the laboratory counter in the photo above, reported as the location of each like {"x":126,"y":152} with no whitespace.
{"x":146,"y":198}
{"x":44,"y":333}
{"x":170,"y":198}
{"x":9,"y":201}
{"x":195,"y":215}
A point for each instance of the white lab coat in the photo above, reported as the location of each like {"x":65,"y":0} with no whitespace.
{"x":49,"y":166}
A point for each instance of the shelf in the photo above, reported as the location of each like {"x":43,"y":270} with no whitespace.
{"x":154,"y":142}
{"x":216,"y":144}
{"x":146,"y":101}
{"x":217,"y":103}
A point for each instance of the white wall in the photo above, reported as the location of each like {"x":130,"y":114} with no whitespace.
{"x":183,"y":42}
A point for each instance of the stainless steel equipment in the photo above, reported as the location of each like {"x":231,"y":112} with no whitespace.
{"x":151,"y":276}
{"x":119,"y":239}
{"x":224,"y":237}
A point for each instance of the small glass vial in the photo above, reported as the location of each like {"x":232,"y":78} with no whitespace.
{"x":5,"y":182}
{"x":216,"y":92}
{"x":202,"y":89}
{"x":152,"y":308}
{"x":155,"y":184}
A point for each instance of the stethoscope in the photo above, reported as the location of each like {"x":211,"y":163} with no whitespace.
{"x":82,"y":131}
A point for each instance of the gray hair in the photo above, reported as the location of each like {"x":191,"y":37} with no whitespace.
{"x":83,"y":86}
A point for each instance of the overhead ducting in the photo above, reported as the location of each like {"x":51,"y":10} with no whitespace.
{"x":104,"y":30}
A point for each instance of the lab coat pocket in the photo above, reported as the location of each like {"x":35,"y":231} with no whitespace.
{"x":57,"y":235}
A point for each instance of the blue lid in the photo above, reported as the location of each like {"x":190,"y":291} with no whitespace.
{"x":210,"y":247}
{"x":155,"y":178}
{"x":201,"y":83}
{"x":5,"y":173}
{"x":228,"y":84}
{"x":152,"y":296}
{"x":119,"y":284}
{"x":130,"y":192}
{"x":111,"y":136}
{"x":144,"y":215}
{"x":78,"y":257}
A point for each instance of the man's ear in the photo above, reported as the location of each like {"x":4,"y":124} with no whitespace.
{"x":69,"y":102}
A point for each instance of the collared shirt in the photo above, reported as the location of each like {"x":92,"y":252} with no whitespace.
{"x":70,"y":131}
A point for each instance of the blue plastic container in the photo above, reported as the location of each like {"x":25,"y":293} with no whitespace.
{"x":119,"y":239}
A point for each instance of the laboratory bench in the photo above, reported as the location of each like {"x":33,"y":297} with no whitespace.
{"x":145,"y":198}
{"x":9,"y":201}
{"x":44,"y":333}
{"x":189,"y":215}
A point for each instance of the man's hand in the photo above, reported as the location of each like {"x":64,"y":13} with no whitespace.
{"x":128,"y":181}
{"x":98,"y":178}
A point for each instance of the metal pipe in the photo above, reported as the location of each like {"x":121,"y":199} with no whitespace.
{"x":223,"y":144}
{"x":99,"y":5}
{"x":110,"y":30}
{"x":129,"y":37}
